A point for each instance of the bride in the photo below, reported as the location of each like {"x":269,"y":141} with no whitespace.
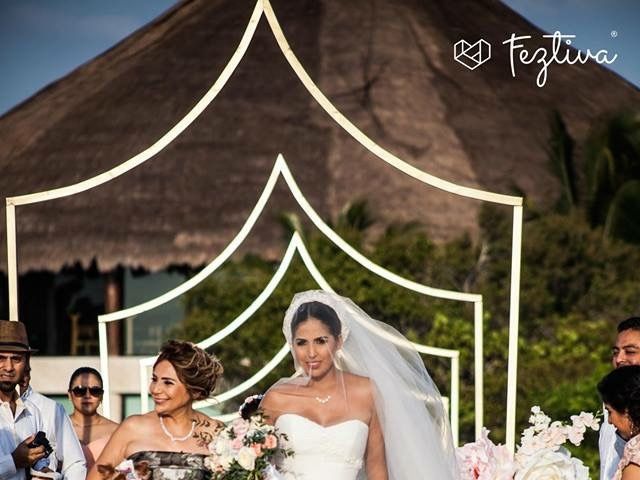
{"x":361,"y":401}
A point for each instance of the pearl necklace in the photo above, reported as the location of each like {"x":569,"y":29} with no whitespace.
{"x":177,"y":439}
{"x":323,"y":400}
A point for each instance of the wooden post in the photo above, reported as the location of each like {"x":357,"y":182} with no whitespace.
{"x":113,"y":303}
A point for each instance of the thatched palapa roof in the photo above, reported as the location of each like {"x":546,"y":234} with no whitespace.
{"x":385,"y":64}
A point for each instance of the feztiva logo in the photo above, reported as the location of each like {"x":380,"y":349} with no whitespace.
{"x":559,"y":52}
{"x":472,"y":55}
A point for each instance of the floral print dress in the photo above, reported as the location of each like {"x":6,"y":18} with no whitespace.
{"x":631,"y":455}
{"x":172,"y":465}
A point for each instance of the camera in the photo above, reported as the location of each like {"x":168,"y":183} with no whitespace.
{"x":41,"y":440}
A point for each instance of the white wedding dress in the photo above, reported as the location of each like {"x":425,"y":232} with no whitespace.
{"x":413,"y":421}
{"x":333,"y":452}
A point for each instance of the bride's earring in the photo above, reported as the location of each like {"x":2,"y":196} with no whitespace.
{"x":338,"y":356}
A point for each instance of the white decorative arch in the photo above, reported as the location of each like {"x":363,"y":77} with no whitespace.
{"x":264,"y":6}
{"x":281,"y":169}
{"x":297,"y":245}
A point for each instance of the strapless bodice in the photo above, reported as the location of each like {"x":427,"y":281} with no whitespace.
{"x":335,"y":451}
{"x":92,"y":450}
{"x":173,"y":465}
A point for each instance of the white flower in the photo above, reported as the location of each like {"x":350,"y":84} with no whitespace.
{"x":247,"y":458}
{"x":576,"y":434}
{"x":224,"y":461}
{"x":586,"y":420}
{"x":210,"y":463}
{"x":539,"y":456}
{"x":256,"y":422}
{"x":552,"y":465}
{"x":221,"y":446}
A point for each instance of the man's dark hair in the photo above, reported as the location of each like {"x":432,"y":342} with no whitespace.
{"x":631,"y":323}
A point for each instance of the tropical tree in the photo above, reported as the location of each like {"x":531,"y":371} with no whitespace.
{"x":561,"y":160}
{"x":613,"y":176}
{"x":611,"y":182}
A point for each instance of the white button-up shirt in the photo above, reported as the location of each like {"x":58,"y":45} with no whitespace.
{"x":57,"y":425}
{"x":611,"y":447}
{"x":13,"y":430}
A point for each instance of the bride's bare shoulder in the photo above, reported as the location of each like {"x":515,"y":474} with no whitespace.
{"x":361,"y":387}
{"x":357,"y":381}
{"x":278,"y":394}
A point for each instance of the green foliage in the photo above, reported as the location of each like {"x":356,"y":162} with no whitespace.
{"x":613,"y":160}
{"x":574,"y":291}
{"x":560,"y":153}
{"x":611,"y":179}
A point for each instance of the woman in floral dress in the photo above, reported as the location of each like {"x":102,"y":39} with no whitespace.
{"x":171,"y":441}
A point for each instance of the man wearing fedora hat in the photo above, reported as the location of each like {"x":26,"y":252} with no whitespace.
{"x":19,"y":420}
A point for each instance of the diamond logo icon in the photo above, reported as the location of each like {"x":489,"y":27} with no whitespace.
{"x":472,"y":55}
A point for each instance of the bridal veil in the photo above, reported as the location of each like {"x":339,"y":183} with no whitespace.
{"x":417,"y":436}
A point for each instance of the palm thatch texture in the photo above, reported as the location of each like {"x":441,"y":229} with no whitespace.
{"x":387,"y":65}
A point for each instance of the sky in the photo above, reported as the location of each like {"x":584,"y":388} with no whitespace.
{"x":613,"y":25}
{"x":43,"y":40}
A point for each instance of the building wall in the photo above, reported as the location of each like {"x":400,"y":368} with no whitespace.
{"x":50,"y":376}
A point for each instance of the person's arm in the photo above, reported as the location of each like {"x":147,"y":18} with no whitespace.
{"x":631,"y":472}
{"x":21,"y":457}
{"x":69,"y":451}
{"x":270,"y":406}
{"x":115,"y":450}
{"x":376,"y":464}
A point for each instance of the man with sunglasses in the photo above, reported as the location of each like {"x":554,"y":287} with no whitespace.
{"x":20,"y":420}
{"x":67,"y":455}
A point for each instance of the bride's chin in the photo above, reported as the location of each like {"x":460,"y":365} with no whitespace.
{"x":315,"y":373}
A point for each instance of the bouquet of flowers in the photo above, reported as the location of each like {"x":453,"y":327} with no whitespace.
{"x":539,"y":455}
{"x":246,"y":450}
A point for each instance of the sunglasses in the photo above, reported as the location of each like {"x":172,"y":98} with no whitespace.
{"x":82,"y":391}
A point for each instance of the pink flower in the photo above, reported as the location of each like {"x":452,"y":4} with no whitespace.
{"x":270,"y":441}
{"x":257,"y":448}
{"x":237,"y":443}
{"x":484,"y":460}
{"x":240,"y":427}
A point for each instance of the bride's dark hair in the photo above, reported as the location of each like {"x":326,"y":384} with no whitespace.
{"x":198,"y":370}
{"x":320,"y":311}
{"x":620,"y":389}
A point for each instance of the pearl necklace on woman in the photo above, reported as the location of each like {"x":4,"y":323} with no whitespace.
{"x":177,"y":439}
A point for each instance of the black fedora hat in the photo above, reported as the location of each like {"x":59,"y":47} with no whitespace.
{"x":13,"y":337}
